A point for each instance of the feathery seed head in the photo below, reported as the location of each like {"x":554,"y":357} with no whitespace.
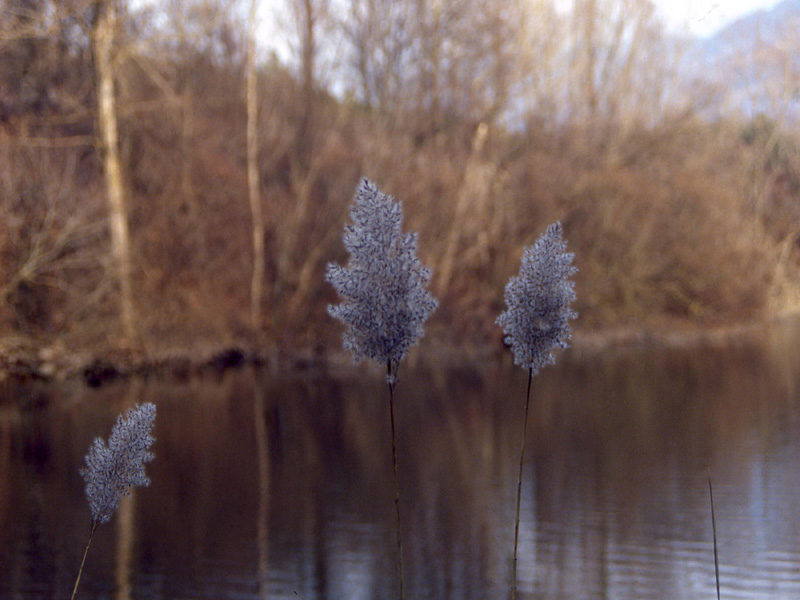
{"x":111,"y":470}
{"x":382,"y":288}
{"x":537,"y":316}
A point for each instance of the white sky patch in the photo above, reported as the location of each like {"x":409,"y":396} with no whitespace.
{"x":702,"y":18}
{"x":698,"y":18}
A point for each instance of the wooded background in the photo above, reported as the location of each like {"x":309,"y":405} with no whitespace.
{"x":166,"y":183}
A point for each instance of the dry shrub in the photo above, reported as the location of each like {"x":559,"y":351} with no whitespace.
{"x":52,"y":268}
{"x":676,"y":246}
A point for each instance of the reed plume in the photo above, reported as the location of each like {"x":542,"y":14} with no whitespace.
{"x":384,"y":301}
{"x":536,"y":321}
{"x":113,"y":469}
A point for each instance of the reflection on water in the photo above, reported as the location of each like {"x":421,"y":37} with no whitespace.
{"x":280,"y":486}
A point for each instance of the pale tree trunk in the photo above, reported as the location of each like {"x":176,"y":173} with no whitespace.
{"x":257,"y":281}
{"x":103,"y":42}
{"x":472,"y":198}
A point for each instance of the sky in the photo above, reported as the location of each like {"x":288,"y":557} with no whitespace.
{"x":703,"y":17}
{"x":697,"y":17}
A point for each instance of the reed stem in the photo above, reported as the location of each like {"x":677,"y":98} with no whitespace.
{"x":83,"y":562}
{"x":519,"y":484}
{"x":391,"y":382}
{"x":714,"y":530}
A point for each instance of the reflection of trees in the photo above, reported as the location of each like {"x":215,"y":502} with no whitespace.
{"x":126,"y":530}
{"x":9,"y":422}
{"x":263,"y":457}
{"x":8,"y":416}
{"x":617,"y":496}
{"x":623,"y":460}
{"x":126,"y":519}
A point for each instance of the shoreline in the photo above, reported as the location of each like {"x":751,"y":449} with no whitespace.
{"x":57,"y":363}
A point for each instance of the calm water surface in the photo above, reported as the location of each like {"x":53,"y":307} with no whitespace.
{"x":280,"y":486}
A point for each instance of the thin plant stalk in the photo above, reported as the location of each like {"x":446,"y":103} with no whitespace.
{"x":519,"y":484}
{"x":391,"y":380}
{"x":714,"y":530}
{"x":536,"y":321}
{"x":113,"y":468}
{"x":83,"y":561}
{"x":384,"y":301}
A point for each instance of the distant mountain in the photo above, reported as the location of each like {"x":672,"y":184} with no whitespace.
{"x":763,"y":25}
{"x":755,"y":60}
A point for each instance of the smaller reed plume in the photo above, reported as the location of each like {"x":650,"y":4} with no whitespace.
{"x":536,"y":321}
{"x":384,"y":300}
{"x":113,"y":469}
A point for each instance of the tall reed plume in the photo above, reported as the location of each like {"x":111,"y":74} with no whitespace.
{"x":384,"y":303}
{"x":536,"y":321}
{"x":112,"y":470}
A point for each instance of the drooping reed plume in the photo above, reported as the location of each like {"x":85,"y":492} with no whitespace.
{"x":113,"y":469}
{"x":536,"y":321}
{"x":384,"y":303}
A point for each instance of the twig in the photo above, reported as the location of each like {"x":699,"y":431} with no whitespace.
{"x":714,"y":530}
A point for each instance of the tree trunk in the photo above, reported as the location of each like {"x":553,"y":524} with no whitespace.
{"x":308,"y":15}
{"x":257,"y":281}
{"x":103,"y":42}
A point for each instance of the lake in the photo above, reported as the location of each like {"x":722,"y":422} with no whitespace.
{"x":280,"y":485}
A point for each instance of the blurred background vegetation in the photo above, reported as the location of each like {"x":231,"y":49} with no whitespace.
{"x":673,"y":165}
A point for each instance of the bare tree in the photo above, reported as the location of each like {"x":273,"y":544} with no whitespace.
{"x":472,"y":199}
{"x":305,"y":27}
{"x":762,"y":77}
{"x":103,"y":34}
{"x":311,"y":150}
{"x":253,"y":185}
{"x":429,"y":63}
{"x":603,"y":64}
{"x":50,"y":230}
{"x":377,"y":33}
{"x":542,"y":76}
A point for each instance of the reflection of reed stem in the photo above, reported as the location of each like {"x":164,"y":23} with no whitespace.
{"x":714,"y":531}
{"x":125,"y":531}
{"x":83,"y":562}
{"x":519,"y":484}
{"x":390,"y":377}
